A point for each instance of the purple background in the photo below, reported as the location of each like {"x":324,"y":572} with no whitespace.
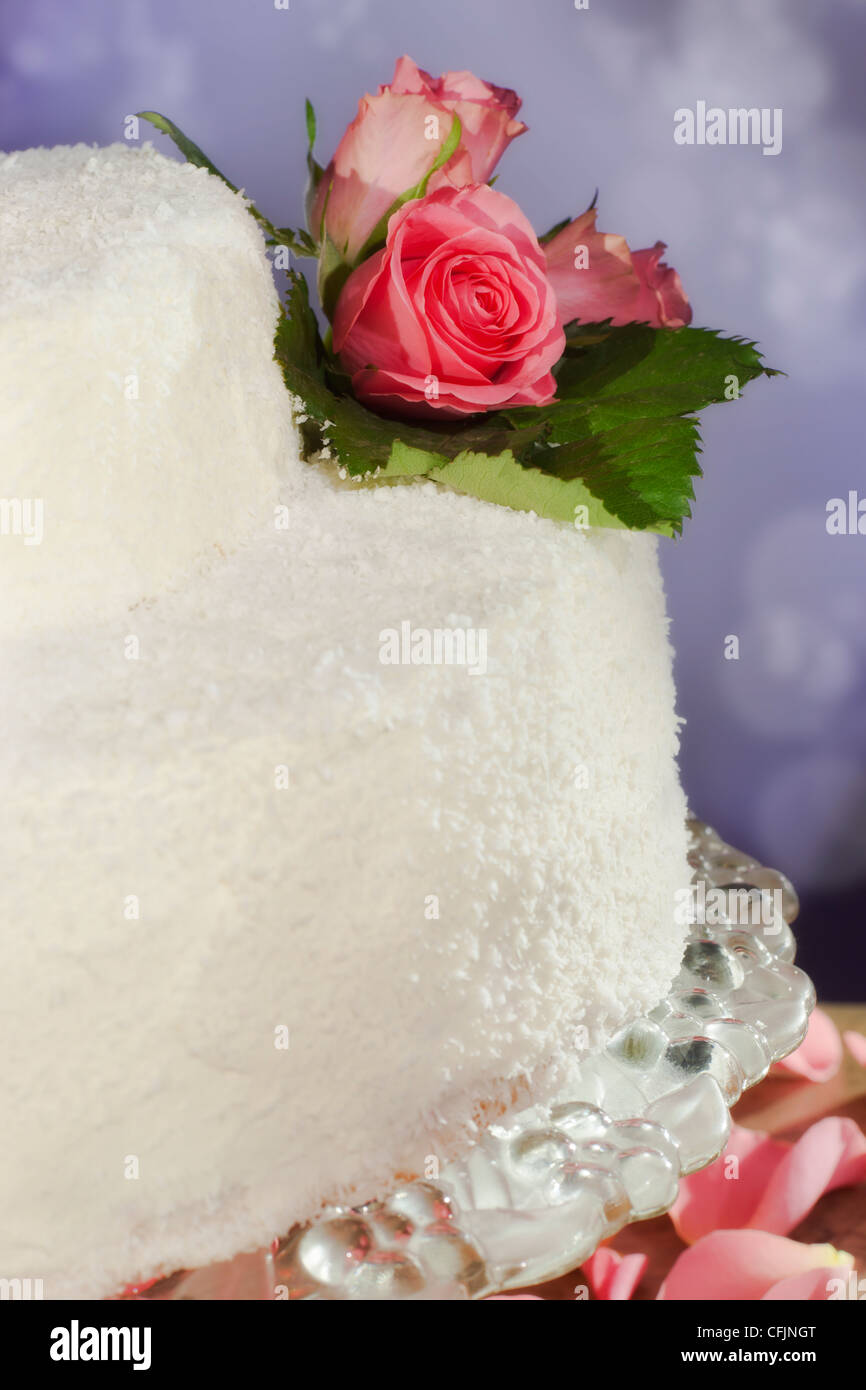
{"x":770,"y":247}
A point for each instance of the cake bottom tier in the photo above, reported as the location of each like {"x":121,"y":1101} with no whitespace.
{"x":295,"y":895}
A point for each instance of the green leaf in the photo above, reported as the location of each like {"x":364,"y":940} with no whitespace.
{"x":186,"y":146}
{"x":555,"y":230}
{"x":283,"y":236}
{"x":500,"y":478}
{"x":624,"y":421}
{"x":670,"y":370}
{"x":297,"y":339}
{"x":315,"y":173}
{"x":333,"y":272}
{"x":370,"y":447}
{"x":300,"y":241}
{"x":621,"y":442}
{"x":640,"y":470}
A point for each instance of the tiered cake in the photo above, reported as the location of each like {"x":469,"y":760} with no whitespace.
{"x":332,"y":813}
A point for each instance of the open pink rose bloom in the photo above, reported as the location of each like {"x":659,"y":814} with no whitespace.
{"x":456,"y":315}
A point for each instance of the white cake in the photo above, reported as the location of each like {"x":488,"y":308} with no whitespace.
{"x":137,"y":408}
{"x":228,"y":821}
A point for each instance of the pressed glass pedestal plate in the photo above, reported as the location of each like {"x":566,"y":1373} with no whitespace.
{"x":538,"y":1191}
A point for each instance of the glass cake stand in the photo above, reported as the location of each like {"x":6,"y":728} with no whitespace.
{"x":534,"y":1196}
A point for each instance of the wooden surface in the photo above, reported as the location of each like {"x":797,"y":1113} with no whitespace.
{"x":784,"y":1107}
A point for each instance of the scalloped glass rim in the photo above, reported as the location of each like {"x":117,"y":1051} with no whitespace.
{"x":535,"y":1195}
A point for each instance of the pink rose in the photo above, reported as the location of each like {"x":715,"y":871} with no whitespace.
{"x":662,"y":301}
{"x":597,"y":277}
{"x":395,"y":139}
{"x":455,"y":315}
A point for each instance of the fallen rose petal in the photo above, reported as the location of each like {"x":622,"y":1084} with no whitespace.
{"x":819,"y":1055}
{"x":612,"y":1276}
{"x":810,"y":1286}
{"x":743,"y":1265}
{"x":831,"y":1154}
{"x":772,"y":1186}
{"x":713,"y":1199}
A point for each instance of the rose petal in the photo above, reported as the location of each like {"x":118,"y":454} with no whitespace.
{"x":612,"y":1276}
{"x":739,"y":1265}
{"x":808,"y":1287}
{"x":403,"y":328}
{"x":819,"y":1055}
{"x":606,"y":288}
{"x":831,"y":1154}
{"x":773,"y":1186}
{"x":487,"y":117}
{"x":715,"y":1197}
{"x":392,"y":144}
{"x":662,"y":302}
{"x":383,"y":152}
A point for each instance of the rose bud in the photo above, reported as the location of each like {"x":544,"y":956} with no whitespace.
{"x":395,"y":139}
{"x":597,"y":277}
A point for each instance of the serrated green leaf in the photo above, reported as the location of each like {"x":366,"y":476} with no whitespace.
{"x":680,"y":369}
{"x":300,"y":241}
{"x":624,"y":444}
{"x":188,"y":148}
{"x":297,"y":338}
{"x":500,"y":478}
{"x":640,"y":470}
{"x":624,"y":418}
{"x":366,"y":444}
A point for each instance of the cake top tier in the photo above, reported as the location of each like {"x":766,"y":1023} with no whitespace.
{"x":143,"y":422}
{"x":75,"y":211}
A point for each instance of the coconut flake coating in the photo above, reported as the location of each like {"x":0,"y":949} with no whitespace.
{"x":136,"y":403}
{"x":227,"y":822}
